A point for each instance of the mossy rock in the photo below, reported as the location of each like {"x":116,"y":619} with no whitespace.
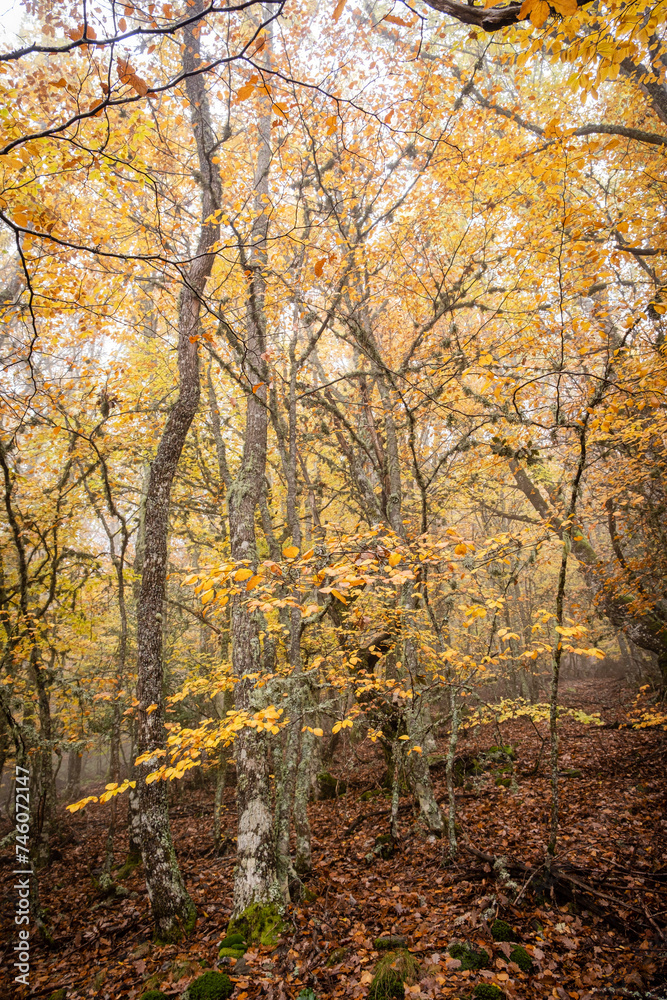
{"x":210,"y":986}
{"x":507,"y":750}
{"x":330,"y":787}
{"x":522,"y":958}
{"x":336,"y":956}
{"x":503,"y":782}
{"x":391,"y":973}
{"x":501,"y":931}
{"x":391,"y":941}
{"x":257,"y":923}
{"x":372,"y":793}
{"x":487,"y":991}
{"x":468,"y":957}
{"x":153,"y":995}
{"x":60,"y":994}
{"x":234,"y":953}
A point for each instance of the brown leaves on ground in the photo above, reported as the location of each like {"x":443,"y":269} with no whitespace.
{"x":612,"y":837}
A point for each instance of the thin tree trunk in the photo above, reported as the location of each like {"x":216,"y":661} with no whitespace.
{"x":255,"y":879}
{"x":451,"y":755}
{"x":172,"y":908}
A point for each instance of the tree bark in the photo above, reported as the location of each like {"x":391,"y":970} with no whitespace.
{"x":172,"y":908}
{"x":255,"y":875}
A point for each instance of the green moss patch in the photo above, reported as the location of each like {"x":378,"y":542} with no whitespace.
{"x":392,"y":972}
{"x":501,"y":931}
{"x":153,"y":995}
{"x":257,"y":923}
{"x":468,"y":957}
{"x":487,"y":991}
{"x":232,"y":946}
{"x":59,"y":995}
{"x":522,"y":958}
{"x":210,"y":986}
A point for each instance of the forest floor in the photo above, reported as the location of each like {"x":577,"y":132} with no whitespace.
{"x":610,"y":942}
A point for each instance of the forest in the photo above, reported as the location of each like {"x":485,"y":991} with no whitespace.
{"x":333,"y":499}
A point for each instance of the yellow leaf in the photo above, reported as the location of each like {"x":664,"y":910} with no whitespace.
{"x":565,"y":7}
{"x":404,"y":737}
{"x":291,"y":552}
{"x":245,"y":92}
{"x":461,"y":549}
{"x":319,"y":267}
{"x":242,"y":574}
{"x":337,"y":728}
{"x":252,"y":582}
{"x":207,"y":596}
{"x":338,"y":594}
{"x":317,"y":732}
{"x":394,"y":559}
{"x":338,"y":10}
{"x":539,"y":13}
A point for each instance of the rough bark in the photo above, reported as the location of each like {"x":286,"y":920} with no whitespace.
{"x":255,"y":875}
{"x":172,"y":908}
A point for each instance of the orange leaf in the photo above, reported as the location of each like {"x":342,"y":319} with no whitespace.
{"x":396,"y":20}
{"x":338,"y":10}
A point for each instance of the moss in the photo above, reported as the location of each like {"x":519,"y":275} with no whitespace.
{"x":373,"y":793}
{"x":153,"y":995}
{"x":233,"y":941}
{"x":522,"y":958}
{"x":468,"y":957}
{"x":391,"y":941}
{"x":507,"y":750}
{"x":306,"y":994}
{"x":59,"y":995}
{"x":262,"y":924}
{"x":127,"y":869}
{"x":231,"y":953}
{"x":210,"y":986}
{"x":504,"y":782}
{"x":501,"y":931}
{"x":336,"y":956}
{"x":573,"y":772}
{"x":487,"y":991}
{"x":391,"y":973}
{"x":330,"y":787}
{"x":232,"y":946}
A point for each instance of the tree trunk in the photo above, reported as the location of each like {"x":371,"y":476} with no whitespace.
{"x":172,"y":908}
{"x":255,"y":879}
